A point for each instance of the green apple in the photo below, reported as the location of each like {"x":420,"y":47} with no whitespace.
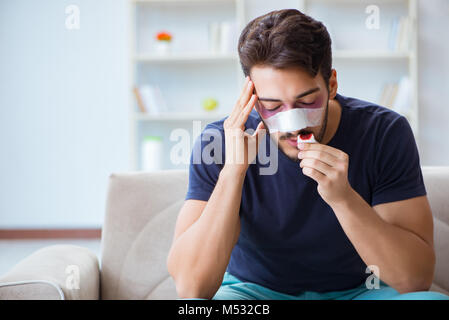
{"x":210,"y":104}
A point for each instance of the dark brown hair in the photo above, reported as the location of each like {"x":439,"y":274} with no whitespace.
{"x":284,"y":39}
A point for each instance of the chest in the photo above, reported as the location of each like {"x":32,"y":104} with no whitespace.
{"x":285,"y":211}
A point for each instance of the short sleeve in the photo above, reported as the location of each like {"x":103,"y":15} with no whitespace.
{"x":206,"y":162}
{"x":397,"y":167}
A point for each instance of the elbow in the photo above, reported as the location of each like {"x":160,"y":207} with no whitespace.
{"x":416,"y":282}
{"x":186,"y":287}
{"x":419,"y":280}
{"x":189,"y":284}
{"x":414,"y":286}
{"x":189,"y":290}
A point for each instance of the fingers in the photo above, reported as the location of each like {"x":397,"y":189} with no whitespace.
{"x":318,"y":165}
{"x":246,"y":94}
{"x":325,"y":157}
{"x":247,"y":110}
{"x":237,"y":106}
{"x":244,"y":105}
{"x":245,"y":84}
{"x":254,"y":141}
{"x":324,"y":148}
{"x":260,"y":130}
{"x":314,"y":174}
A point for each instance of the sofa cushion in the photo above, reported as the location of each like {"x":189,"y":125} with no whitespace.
{"x":137,"y":234}
{"x":436,"y":180}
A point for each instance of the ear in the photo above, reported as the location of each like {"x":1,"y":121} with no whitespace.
{"x":333,"y":84}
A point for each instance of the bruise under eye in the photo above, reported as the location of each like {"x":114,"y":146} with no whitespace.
{"x":270,"y":108}
{"x":316,"y":103}
{"x":311,"y":105}
{"x":270,"y":111}
{"x":265,"y":112}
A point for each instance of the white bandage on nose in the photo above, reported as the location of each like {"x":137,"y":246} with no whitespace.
{"x":294,"y":119}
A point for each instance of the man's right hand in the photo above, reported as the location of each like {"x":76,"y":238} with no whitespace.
{"x":241,"y":147}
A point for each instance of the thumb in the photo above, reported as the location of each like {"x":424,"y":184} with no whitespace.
{"x":260,"y":130}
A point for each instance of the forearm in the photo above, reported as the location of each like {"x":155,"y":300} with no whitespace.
{"x":405,"y":261}
{"x":199,"y":257}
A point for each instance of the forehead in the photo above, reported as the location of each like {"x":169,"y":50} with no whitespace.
{"x":283,"y":83}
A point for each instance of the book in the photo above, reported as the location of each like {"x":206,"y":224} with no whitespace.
{"x":399,"y":37}
{"x":392,"y":39}
{"x":397,"y":96}
{"x":402,"y":101}
{"x":404,"y":40}
{"x":388,"y":95}
{"x":150,"y":99}
{"x":393,"y":94}
{"x":139,"y":100}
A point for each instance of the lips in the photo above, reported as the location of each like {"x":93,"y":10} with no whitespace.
{"x":294,"y":137}
{"x":292,"y":141}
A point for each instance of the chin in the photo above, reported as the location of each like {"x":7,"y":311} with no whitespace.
{"x":289,"y":151}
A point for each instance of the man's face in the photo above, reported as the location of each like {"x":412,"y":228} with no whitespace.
{"x":281,"y":90}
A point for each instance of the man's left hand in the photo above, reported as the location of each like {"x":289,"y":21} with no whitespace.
{"x":328,"y":166}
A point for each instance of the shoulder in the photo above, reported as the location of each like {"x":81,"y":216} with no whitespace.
{"x":371,"y":118}
{"x":367,"y":110}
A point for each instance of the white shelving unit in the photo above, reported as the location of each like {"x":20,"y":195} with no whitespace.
{"x":191,"y":72}
{"x":362,"y":49}
{"x":178,"y":116}
{"x":183,"y":58}
{"x":377,"y":55}
{"x":180,"y":74}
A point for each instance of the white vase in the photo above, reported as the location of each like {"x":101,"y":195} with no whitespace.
{"x":163,"y":47}
{"x":152,"y":152}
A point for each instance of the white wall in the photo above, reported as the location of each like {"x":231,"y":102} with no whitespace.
{"x":434,"y":82}
{"x":63,"y":111}
{"x":64,"y":114}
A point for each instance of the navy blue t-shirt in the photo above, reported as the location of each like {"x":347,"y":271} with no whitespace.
{"x":290,"y":239}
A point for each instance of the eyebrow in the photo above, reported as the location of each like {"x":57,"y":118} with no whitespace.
{"x":297,"y":97}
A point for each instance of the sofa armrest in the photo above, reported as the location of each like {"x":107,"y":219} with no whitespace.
{"x":54,"y":272}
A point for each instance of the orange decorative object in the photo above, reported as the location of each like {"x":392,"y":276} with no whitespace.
{"x":163,"y":36}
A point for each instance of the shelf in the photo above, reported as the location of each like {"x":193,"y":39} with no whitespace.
{"x":194,"y":57}
{"x":349,"y":54}
{"x":163,"y":2}
{"x":355,"y":2}
{"x":205,"y":57}
{"x":179,"y":116}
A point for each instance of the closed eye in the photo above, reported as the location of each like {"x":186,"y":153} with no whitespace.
{"x":273,"y":109}
{"x":298,"y":102}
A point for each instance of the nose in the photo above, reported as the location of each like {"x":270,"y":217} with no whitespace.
{"x":289,"y":106}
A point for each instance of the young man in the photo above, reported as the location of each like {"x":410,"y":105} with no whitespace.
{"x":310,"y":228}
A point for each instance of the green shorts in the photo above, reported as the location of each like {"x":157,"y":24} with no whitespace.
{"x":234,"y":289}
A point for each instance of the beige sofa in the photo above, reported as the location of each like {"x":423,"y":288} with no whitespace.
{"x":140,"y":218}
